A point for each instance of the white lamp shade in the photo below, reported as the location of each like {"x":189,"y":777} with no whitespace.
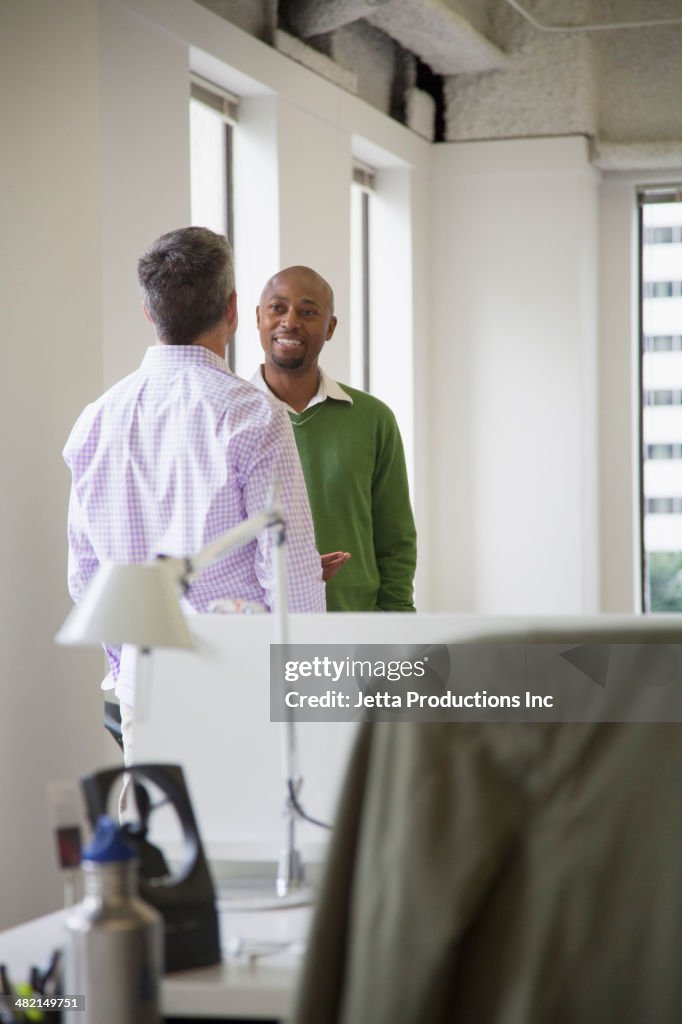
{"x":129,"y":604}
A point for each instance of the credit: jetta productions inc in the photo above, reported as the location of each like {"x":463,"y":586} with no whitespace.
{"x":413,"y":699}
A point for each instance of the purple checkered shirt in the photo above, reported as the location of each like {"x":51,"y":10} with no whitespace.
{"x":170,"y":458}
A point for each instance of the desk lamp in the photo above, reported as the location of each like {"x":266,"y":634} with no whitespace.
{"x":138,"y":604}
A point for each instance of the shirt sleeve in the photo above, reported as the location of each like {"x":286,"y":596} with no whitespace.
{"x":278,"y":459}
{"x":395,"y":537}
{"x":83,"y":562}
{"x":82,"y":566}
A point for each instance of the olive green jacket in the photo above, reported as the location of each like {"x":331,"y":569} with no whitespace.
{"x":509,"y":873}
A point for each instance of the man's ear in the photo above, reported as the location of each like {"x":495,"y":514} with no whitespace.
{"x":146,"y":313}
{"x":332,"y":327}
{"x":258,"y":317}
{"x":231,"y":313}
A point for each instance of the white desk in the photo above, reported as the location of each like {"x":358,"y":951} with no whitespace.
{"x":258,"y":989}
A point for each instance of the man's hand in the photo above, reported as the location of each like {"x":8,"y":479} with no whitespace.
{"x":332,"y":562}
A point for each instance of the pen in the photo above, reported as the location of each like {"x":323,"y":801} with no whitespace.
{"x":7,"y":1014}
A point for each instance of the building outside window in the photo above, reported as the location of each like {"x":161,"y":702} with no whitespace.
{"x":661,"y":406}
{"x":212,"y":116}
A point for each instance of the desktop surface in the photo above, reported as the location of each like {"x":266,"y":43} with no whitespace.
{"x":256,"y":980}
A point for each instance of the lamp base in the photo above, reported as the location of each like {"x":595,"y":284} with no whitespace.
{"x":253,"y":892}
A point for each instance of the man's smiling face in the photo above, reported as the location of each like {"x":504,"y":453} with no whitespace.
{"x":295,"y":318}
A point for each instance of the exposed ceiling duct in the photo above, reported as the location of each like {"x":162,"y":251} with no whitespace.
{"x":312,"y":18}
{"x":439,"y":36}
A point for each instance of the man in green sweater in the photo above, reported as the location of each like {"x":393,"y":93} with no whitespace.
{"x":350,"y":449}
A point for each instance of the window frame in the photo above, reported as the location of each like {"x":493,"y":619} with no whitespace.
{"x":363,"y":178}
{"x":650,"y":195}
{"x":226,"y":105}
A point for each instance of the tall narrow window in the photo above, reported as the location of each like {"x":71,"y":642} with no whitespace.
{"x":661,"y":398}
{"x":361,"y":189}
{"x":213,"y":114}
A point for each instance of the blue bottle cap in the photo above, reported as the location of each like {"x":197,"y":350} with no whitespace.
{"x":109,"y":843}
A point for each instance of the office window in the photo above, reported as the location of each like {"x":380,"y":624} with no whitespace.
{"x":662,"y":289}
{"x":664,"y":506}
{"x":663,"y":343}
{"x":212,"y":116}
{"x":663,"y":451}
{"x":663,"y":235}
{"x":661,"y":398}
{"x":360,"y":340}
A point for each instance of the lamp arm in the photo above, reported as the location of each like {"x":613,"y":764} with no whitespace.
{"x":236,"y":538}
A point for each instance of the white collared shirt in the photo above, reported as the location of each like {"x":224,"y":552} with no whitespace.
{"x":328,"y":388}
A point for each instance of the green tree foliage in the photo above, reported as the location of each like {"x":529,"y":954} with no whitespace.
{"x":664,"y":569}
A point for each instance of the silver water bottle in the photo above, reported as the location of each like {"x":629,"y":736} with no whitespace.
{"x":114,"y":948}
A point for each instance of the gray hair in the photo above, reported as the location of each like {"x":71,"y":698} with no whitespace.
{"x":187,"y":278}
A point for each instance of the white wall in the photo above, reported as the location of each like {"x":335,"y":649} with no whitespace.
{"x":50,"y":707}
{"x":314,"y":197}
{"x":144,"y":160}
{"x":390,"y":273}
{"x":513,"y":364}
{"x":618,"y":375}
{"x":428,"y":547}
{"x":256,"y":172}
{"x":287,"y":166}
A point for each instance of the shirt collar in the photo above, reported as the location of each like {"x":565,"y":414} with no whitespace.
{"x":181,"y":355}
{"x":328,"y":388}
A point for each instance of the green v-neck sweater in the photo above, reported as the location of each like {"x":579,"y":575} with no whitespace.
{"x":354,"y":468}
